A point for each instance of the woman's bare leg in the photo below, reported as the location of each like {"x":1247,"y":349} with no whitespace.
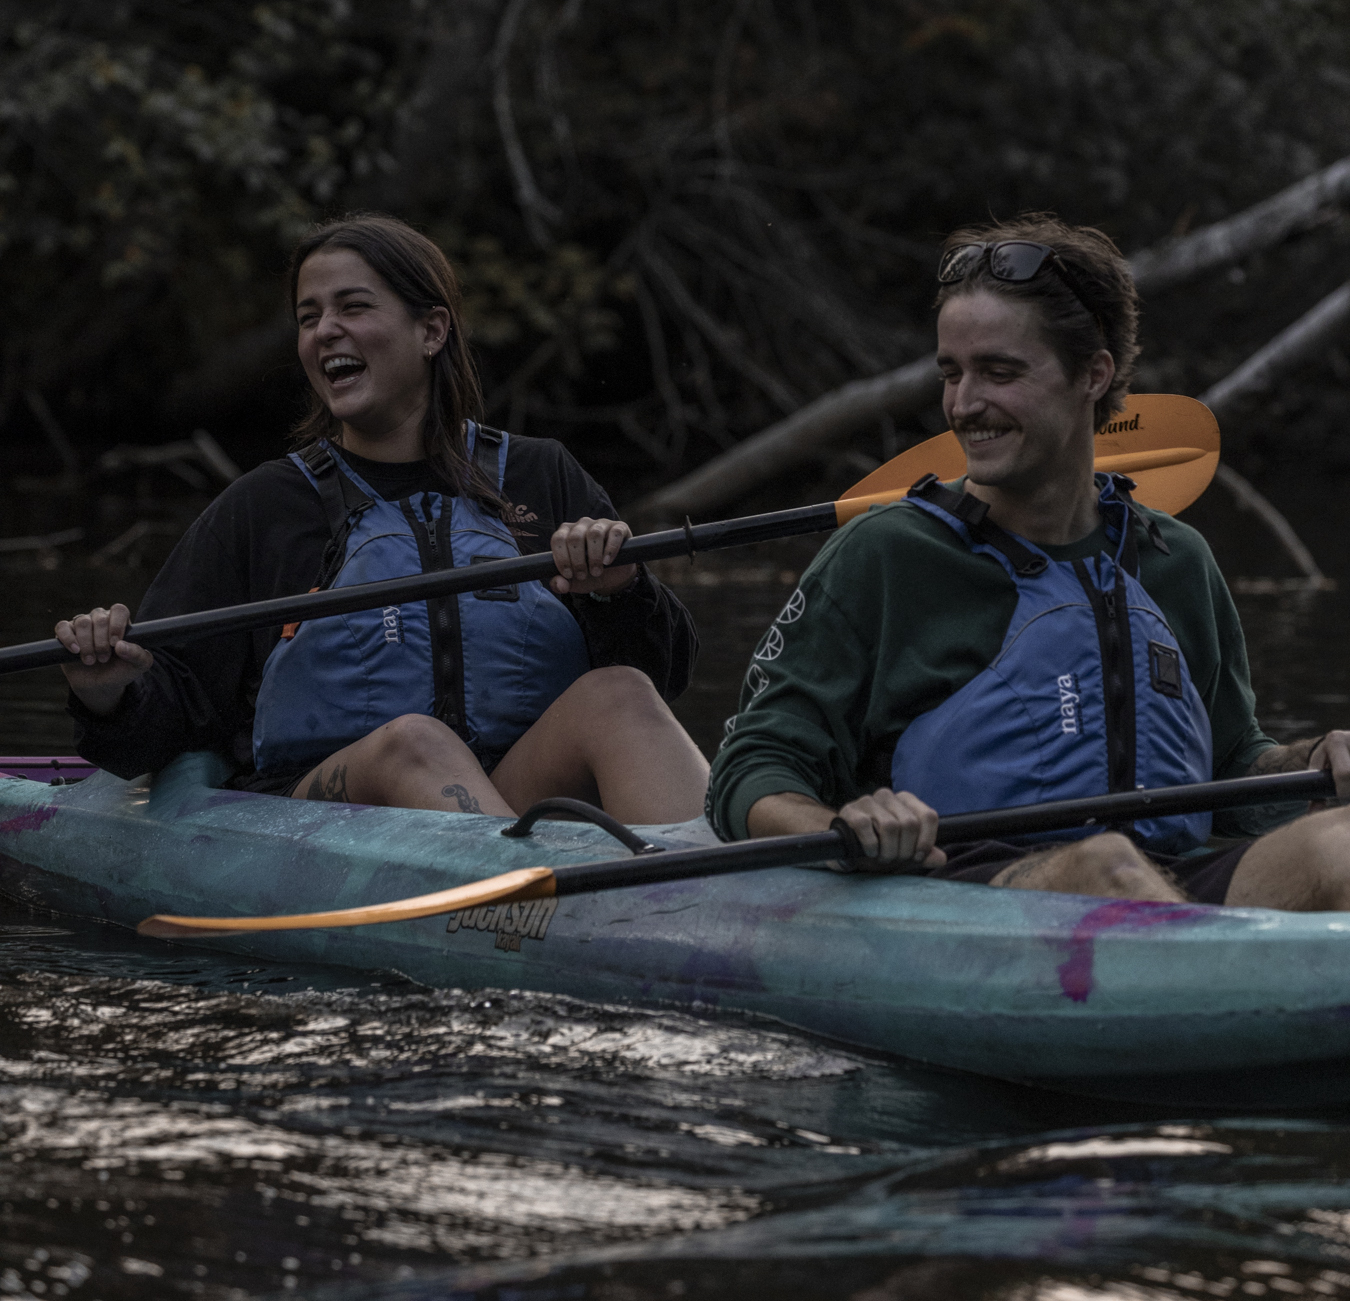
{"x":609,"y":738}
{"x":413,"y":762}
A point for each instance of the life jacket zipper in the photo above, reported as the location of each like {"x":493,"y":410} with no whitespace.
{"x":1115,"y":692}
{"x":1111,"y":612}
{"x":443,"y":621}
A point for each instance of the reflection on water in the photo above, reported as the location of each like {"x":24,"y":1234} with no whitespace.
{"x":179,"y":1123}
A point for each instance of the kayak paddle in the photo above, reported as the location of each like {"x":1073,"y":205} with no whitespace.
{"x":649,"y":864}
{"x":1169,"y":444}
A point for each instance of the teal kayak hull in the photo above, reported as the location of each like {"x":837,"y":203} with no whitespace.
{"x":1169,"y":1002}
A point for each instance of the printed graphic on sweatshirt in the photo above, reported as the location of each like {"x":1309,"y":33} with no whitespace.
{"x":794,"y":609}
{"x":771,"y":644}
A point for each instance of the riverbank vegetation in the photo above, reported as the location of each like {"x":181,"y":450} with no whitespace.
{"x":676,"y":221}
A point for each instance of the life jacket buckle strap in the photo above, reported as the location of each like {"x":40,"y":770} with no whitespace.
{"x":1124,"y":487}
{"x":317,"y":457}
{"x":973,"y":513}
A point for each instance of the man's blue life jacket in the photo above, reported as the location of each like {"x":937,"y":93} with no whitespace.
{"x":1090,"y":692}
{"x":486,"y":663}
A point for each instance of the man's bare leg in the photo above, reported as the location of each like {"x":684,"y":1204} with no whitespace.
{"x":1109,"y":865}
{"x":413,"y":762}
{"x":609,"y":739}
{"x":1302,"y":867}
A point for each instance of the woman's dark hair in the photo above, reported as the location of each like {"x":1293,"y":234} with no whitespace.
{"x":422,"y":279}
{"x":1108,"y":316}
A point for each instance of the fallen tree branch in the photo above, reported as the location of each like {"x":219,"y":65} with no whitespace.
{"x":1300,"y":342}
{"x":539,"y":213}
{"x":1248,"y":498}
{"x":56,"y":435}
{"x":793,"y":440}
{"x":716,"y":333}
{"x":125,"y":541}
{"x":1314,"y":330}
{"x":40,"y":542}
{"x":1262,"y":226}
{"x":200,"y":448}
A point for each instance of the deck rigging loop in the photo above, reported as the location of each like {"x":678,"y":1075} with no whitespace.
{"x":579,"y":809}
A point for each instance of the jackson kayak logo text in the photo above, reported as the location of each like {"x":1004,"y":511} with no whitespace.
{"x":512,"y":922}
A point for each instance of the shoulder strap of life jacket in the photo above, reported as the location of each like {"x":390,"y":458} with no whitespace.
{"x":972,"y":512}
{"x":487,"y":445}
{"x":343,"y":503}
{"x":1123,"y":486}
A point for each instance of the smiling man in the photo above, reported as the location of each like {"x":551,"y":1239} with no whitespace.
{"x":1027,"y":633}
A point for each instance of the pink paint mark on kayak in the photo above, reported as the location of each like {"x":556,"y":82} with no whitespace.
{"x":1075,"y":972}
{"x":29,"y":821}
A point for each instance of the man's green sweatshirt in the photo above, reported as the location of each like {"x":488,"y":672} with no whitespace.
{"x":896,"y":613}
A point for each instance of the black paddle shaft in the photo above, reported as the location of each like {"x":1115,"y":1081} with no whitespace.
{"x":995,"y":824}
{"x":444,"y":582}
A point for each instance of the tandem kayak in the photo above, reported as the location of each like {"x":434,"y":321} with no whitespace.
{"x":1182,"y":1004}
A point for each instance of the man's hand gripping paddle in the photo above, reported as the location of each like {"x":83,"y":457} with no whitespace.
{"x":1168,"y":444}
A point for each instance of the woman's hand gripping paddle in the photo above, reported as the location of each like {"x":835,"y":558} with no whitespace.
{"x":648,"y":867}
{"x":1168,"y":444}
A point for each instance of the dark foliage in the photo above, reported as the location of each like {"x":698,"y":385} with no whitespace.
{"x":675,"y":219}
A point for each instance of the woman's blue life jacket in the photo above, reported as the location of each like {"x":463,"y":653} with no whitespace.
{"x":486,"y":663}
{"x":1090,"y":692}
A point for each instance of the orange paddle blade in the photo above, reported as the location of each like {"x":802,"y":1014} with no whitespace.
{"x":1167,"y":443}
{"x":525,"y":883}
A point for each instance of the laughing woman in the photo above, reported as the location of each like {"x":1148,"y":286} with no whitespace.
{"x":485,"y":702}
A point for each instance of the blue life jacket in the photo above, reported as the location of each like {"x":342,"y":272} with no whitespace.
{"x":486,"y":663}
{"x":1090,"y":692}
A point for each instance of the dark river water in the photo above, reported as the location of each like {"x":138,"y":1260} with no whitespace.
{"x":182,"y":1124}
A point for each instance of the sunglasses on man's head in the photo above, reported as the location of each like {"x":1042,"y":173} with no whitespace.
{"x":1013,"y":260}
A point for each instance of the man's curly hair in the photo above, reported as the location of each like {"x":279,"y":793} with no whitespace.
{"x":1111,"y":317}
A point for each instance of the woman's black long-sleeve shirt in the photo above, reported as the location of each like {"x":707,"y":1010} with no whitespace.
{"x":264,"y":537}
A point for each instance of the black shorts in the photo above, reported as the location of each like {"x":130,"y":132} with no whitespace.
{"x":283,"y":782}
{"x":1204,"y":877}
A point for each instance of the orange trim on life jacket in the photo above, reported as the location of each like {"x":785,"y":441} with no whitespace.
{"x":288,"y":632}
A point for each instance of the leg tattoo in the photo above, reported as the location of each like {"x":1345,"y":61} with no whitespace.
{"x":335,"y":788}
{"x":461,"y":796}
